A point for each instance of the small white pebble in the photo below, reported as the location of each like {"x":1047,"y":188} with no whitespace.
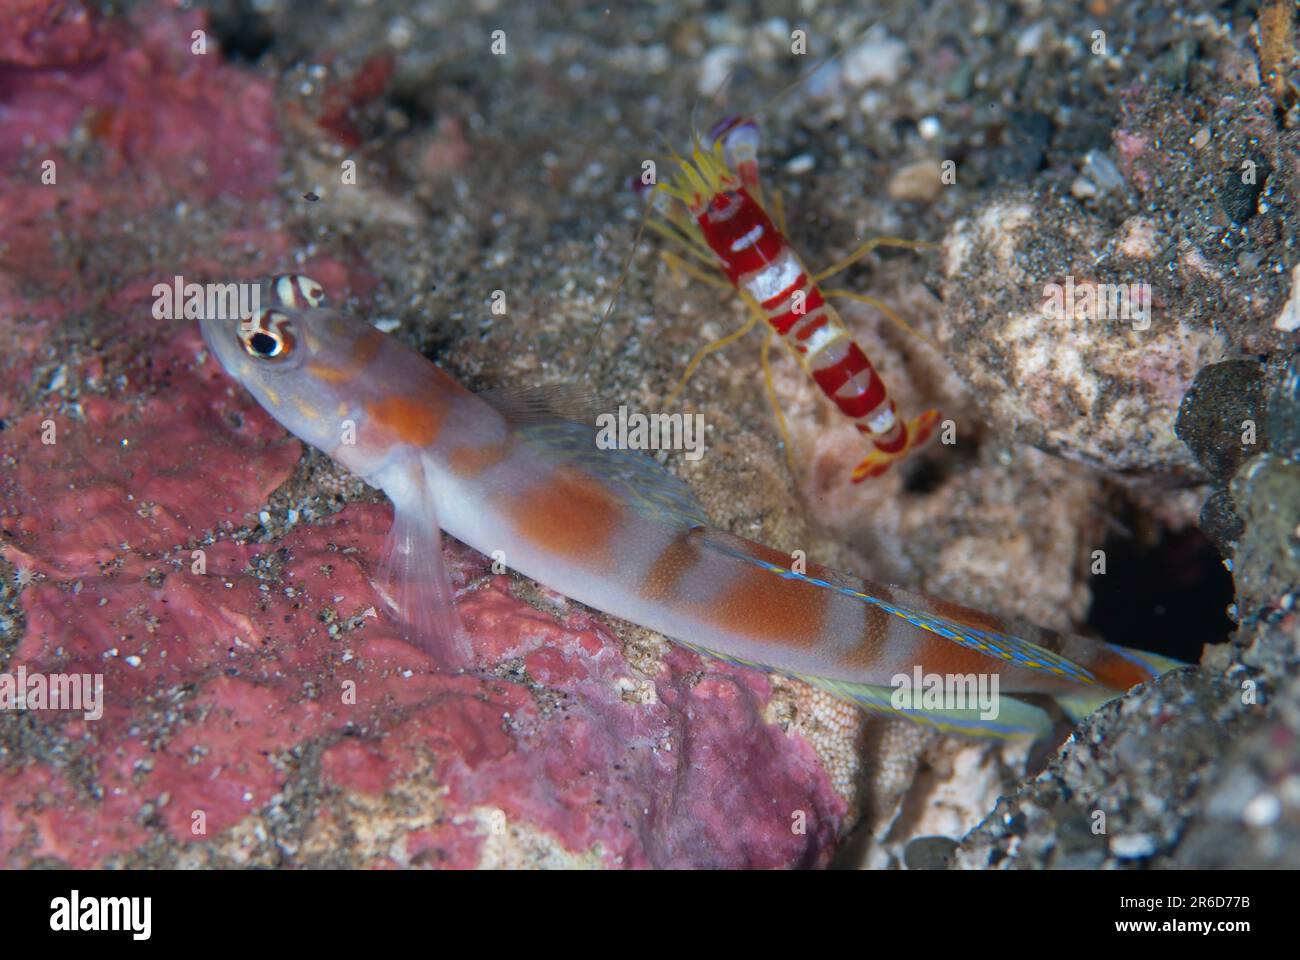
{"x":1103,"y":172}
{"x":133,"y":660}
{"x":400,"y":32}
{"x":800,"y":164}
{"x":1083,"y":188}
{"x":1291,"y":790}
{"x":879,"y":58}
{"x":929,"y":128}
{"x":1289,"y":319}
{"x":715,"y":67}
{"x":1130,"y":846}
{"x":1262,"y":810}
{"x":1030,"y":40}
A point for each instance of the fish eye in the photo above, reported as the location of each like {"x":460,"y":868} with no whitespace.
{"x":264,"y":345}
{"x":267,"y":336}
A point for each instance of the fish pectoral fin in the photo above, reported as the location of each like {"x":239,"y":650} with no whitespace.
{"x":413,"y":575}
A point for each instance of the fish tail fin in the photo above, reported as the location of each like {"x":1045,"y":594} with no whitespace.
{"x":1143,"y":666}
{"x":1079,"y":705}
{"x":1154,"y":663}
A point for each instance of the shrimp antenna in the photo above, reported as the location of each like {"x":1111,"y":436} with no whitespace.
{"x":713,"y":97}
{"x":807,"y":74}
{"x":640,"y":230}
{"x":618,"y":286}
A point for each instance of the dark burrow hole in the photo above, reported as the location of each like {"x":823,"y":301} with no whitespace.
{"x":415,"y":105}
{"x":1169,"y":597}
{"x":929,"y":470}
{"x":924,"y":475}
{"x":244,"y":34}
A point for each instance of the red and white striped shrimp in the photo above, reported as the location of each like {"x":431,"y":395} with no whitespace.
{"x":729,"y":229}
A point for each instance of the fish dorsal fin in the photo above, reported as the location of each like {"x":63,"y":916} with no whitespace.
{"x":992,"y":643}
{"x":545,"y":403}
{"x":639,"y":481}
{"x":559,"y":421}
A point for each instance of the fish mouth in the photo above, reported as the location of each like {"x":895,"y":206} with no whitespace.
{"x":212,"y":333}
{"x":222,"y":338}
